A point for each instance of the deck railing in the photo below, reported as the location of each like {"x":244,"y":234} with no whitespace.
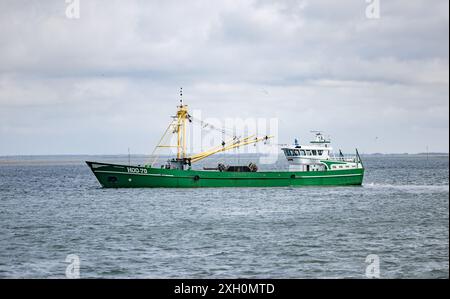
{"x":344,"y":158}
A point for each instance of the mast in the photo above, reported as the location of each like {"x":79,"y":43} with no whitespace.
{"x":182,"y":116}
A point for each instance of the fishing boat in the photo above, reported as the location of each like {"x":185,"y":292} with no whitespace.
{"x":309,"y":165}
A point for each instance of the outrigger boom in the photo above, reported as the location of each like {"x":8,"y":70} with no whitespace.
{"x":235,"y":143}
{"x":178,"y":126}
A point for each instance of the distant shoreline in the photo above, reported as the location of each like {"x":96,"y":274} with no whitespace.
{"x":142,"y":159}
{"x":224,"y":154}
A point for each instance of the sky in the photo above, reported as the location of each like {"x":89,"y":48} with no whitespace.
{"x":106,"y":78}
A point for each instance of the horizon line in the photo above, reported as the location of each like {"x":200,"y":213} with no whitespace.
{"x":125,"y":154}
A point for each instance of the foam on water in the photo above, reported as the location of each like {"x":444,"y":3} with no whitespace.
{"x":409,"y":188}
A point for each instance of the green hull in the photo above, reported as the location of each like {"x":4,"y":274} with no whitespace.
{"x":124,"y":176}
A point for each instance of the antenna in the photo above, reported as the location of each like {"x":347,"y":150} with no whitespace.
{"x":181,"y":96}
{"x":316,"y":132}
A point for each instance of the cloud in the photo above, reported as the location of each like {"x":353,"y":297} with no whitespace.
{"x":110,"y":79}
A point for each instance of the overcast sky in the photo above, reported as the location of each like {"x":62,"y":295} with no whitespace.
{"x":109,"y":80}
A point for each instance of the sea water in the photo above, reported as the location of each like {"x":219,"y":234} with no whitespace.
{"x":52,"y":208}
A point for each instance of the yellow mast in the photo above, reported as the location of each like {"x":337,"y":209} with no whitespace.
{"x":178,"y":125}
{"x":182,"y":116}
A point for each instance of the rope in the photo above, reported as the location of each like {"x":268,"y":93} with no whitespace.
{"x":226,"y":131}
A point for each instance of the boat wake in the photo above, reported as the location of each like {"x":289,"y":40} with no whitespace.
{"x":408,"y":187}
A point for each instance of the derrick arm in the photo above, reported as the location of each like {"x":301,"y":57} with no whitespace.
{"x":225,"y":147}
{"x":160,"y":145}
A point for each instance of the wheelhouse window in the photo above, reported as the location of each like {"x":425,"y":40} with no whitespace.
{"x":302,"y":153}
{"x":308,"y":152}
{"x":291,"y":152}
{"x":297,"y":152}
{"x":314,"y":152}
{"x":320,"y":152}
